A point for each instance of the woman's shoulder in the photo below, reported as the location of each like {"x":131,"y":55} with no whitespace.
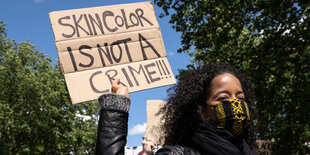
{"x":176,"y":150}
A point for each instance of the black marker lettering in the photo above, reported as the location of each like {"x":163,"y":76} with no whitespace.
{"x":147,"y":46}
{"x":133,"y":15}
{"x":162,"y":68}
{"x":133,"y":75}
{"x":93,"y":86}
{"x":72,"y":58}
{"x":86,"y":54}
{"x":60,"y":21}
{"x":98,"y":23}
{"x":107,"y":54}
{"x":104,"y":16}
{"x":263,"y":146}
{"x":88,"y":25}
{"x":111,"y":78}
{"x":150,"y":73}
{"x":117,"y":60}
{"x":126,"y":48}
{"x":269,"y":146}
{"x":159,"y":68}
{"x":166,"y":67}
{"x":77,"y":26}
{"x":125,"y":19}
{"x":141,"y":16}
{"x":127,"y":77}
{"x":121,"y":20}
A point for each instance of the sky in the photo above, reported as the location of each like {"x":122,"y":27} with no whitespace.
{"x":29,"y":20}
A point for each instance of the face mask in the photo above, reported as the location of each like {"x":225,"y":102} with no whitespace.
{"x":232,"y":115}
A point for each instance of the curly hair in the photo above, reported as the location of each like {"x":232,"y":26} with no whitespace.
{"x":186,"y":104}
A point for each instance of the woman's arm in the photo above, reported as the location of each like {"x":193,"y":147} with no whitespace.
{"x":113,"y":121}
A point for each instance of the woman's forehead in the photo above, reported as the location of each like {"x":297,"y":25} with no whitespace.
{"x":225,"y":81}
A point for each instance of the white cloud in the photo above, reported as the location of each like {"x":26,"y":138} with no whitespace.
{"x":38,"y":1}
{"x":170,"y":53}
{"x":84,"y":117}
{"x":138,"y":129}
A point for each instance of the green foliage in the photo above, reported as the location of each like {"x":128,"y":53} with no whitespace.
{"x":36,"y":114}
{"x":269,"y":40}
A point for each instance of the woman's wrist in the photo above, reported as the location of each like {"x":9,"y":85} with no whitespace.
{"x":114,"y":101}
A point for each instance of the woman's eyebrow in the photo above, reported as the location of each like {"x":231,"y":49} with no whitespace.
{"x":240,"y":92}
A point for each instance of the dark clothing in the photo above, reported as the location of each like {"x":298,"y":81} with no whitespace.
{"x":177,"y":150}
{"x":112,"y":126}
{"x":112,"y":133}
{"x":211,"y":140}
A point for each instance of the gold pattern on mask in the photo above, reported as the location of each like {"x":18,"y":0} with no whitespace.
{"x":247,"y":110}
{"x":231,"y":115}
{"x":238,"y":117}
{"x":221,"y":115}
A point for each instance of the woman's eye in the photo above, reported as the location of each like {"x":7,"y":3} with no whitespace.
{"x":241,"y":98}
{"x":221,"y":99}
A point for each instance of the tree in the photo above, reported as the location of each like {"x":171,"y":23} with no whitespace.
{"x":268,"y":40}
{"x":36,"y":114}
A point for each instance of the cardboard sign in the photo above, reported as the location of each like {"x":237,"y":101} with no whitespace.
{"x":97,"y":45}
{"x":264,"y":147}
{"x":154,"y":121}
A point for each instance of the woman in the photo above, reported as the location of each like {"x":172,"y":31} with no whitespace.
{"x":209,"y":111}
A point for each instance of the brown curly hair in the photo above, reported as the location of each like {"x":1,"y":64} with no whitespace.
{"x":186,"y":104}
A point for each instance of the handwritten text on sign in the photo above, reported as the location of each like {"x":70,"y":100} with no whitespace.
{"x":136,"y":76}
{"x":92,"y":41}
{"x":97,"y":21}
{"x":111,"y":50}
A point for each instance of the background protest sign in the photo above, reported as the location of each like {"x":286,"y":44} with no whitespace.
{"x":264,"y":147}
{"x":97,"y":45}
{"x":154,"y":121}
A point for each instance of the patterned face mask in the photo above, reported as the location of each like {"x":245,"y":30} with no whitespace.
{"x":232,"y":115}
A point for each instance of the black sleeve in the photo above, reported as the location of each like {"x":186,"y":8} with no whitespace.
{"x":112,"y":125}
{"x":176,"y":150}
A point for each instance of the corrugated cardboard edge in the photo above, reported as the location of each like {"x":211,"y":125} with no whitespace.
{"x":61,"y":65}
{"x":61,"y":49}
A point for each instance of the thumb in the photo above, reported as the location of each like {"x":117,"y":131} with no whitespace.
{"x":118,"y":89}
{"x":115,"y":85}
